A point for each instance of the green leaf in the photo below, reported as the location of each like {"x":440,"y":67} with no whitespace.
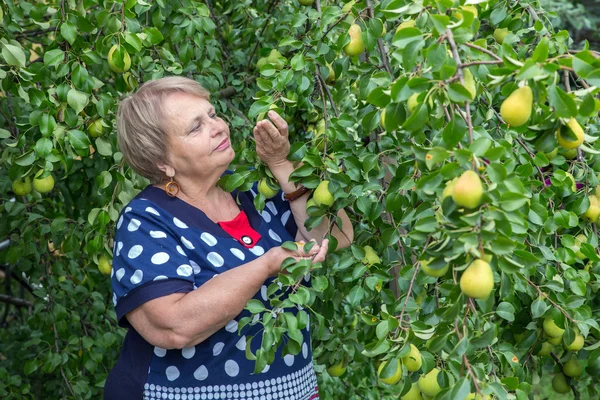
{"x":454,"y":132}
{"x":153,"y":35}
{"x":538,"y":307}
{"x":13,"y":55}
{"x":378,"y":97}
{"x":594,"y":77}
{"x":78,"y":139}
{"x":255,"y":306}
{"x":562,"y":102}
{"x":104,"y":147}
{"x":320,"y":283}
{"x":506,"y":310}
{"x":43,"y":147}
{"x":69,"y":32}
{"x":25,"y":159}
{"x":77,"y":100}
{"x":53,"y":58}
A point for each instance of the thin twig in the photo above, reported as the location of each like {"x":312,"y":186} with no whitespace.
{"x":486,"y":51}
{"x":237,"y":111}
{"x":325,"y":116}
{"x":523,"y":145}
{"x":384,"y":59}
{"x":532,"y":12}
{"x":459,"y":72}
{"x":329,"y":96}
{"x":15,"y":301}
{"x":567,"y":83}
{"x":548,"y":298}
{"x":12,"y":113}
{"x":490,"y":62}
{"x":271,"y":6}
{"x":62,"y":371}
{"x":214,"y":18}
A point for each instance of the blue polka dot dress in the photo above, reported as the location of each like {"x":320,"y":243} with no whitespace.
{"x":163,"y":246}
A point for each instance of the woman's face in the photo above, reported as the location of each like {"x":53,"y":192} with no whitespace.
{"x":198,"y":138}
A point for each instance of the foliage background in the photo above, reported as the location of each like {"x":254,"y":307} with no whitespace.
{"x":55,"y":80}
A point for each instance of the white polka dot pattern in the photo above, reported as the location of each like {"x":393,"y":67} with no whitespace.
{"x":120,"y":222}
{"x":299,"y":385}
{"x":215,"y":259}
{"x":274,"y":235}
{"x":187,"y":243}
{"x":135,"y":251}
{"x":263,"y":292}
{"x":218,"y":348}
{"x":184,"y":270}
{"x":266,"y":216}
{"x":178,"y":223}
{"x":285,"y":217}
{"x":231,"y":326}
{"x":195,"y":266}
{"x":188,"y":352}
{"x":238,"y":253}
{"x":180,"y":251}
{"x":152,"y":211}
{"x":137,"y":277}
{"x":159,"y":351}
{"x":119,"y":274}
{"x":172,"y":373}
{"x":134,"y":225}
{"x":158,"y":234}
{"x":241,"y":344}
{"x":208,"y":239}
{"x":160,"y":258}
{"x":119,"y":247}
{"x":160,"y":278}
{"x":271,"y":206}
{"x":304,"y":350}
{"x":288,"y":360}
{"x":257,"y":250}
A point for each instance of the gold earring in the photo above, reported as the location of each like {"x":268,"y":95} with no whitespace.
{"x":172,"y":188}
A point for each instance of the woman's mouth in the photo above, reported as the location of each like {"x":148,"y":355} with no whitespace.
{"x":223,"y":145}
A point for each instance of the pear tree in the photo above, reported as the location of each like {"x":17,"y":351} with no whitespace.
{"x":460,"y":136}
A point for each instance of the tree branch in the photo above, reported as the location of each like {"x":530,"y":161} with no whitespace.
{"x":544,"y":295}
{"x":214,"y":18}
{"x":271,"y":6}
{"x":329,"y":96}
{"x":490,"y":62}
{"x":459,"y":72}
{"x":486,"y":51}
{"x":237,"y":111}
{"x":15,"y":301}
{"x":384,"y":59}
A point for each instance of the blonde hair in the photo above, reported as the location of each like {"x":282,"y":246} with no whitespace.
{"x":142,"y":133}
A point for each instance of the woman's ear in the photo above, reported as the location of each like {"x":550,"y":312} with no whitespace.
{"x":167,"y":169}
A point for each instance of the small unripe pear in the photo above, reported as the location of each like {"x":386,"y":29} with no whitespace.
{"x":412,"y":102}
{"x":560,"y":385}
{"x":371,"y":256}
{"x":427,"y":270}
{"x":577,"y":343}
{"x":428,"y":383}
{"x":322,"y":195}
{"x":356,"y":45}
{"x":545,"y":350}
{"x":516,"y":109}
{"x":449,"y":187}
{"x":478,"y":280}
{"x":413,"y":361}
{"x":593,"y":211}
{"x":551,"y":329}
{"x":575,"y":129}
{"x":406,"y":24}
{"x":337,"y":369}
{"x":413,"y":394}
{"x":392,"y":380}
{"x":468,"y":190}
{"x":555,"y":341}
{"x":572,"y":368}
{"x":500,"y":34}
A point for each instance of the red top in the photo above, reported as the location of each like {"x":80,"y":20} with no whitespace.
{"x":239,"y":228}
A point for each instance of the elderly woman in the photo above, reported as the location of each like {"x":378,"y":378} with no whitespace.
{"x":188,"y":256}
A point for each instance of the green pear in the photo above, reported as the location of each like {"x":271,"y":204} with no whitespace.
{"x":593,"y":211}
{"x":545,"y":350}
{"x":406,"y":24}
{"x":470,"y":82}
{"x":356,"y":45}
{"x":449,"y":187}
{"x":322,"y":195}
{"x":306,"y":2}
{"x":413,"y":360}
{"x":266,"y":189}
{"x":572,"y":368}
{"x":577,"y":343}
{"x":413,"y":394}
{"x":261,"y":61}
{"x":551,"y":329}
{"x":560,"y":385}
{"x":555,"y":341}
{"x":22,"y":187}
{"x":478,"y":280}
{"x":475,"y":396}
{"x":428,"y":384}
{"x":395,"y":378}
{"x":516,"y":108}
{"x":413,"y":102}
{"x":331,"y":77}
{"x":337,"y":369}
{"x":576,"y":138}
{"x":427,"y":270}
{"x":276,"y":59}
{"x":382,"y":119}
{"x":468,"y":190}
{"x":500,"y":34}
{"x":43,"y":185}
{"x":311,"y":203}
{"x":318,"y":138}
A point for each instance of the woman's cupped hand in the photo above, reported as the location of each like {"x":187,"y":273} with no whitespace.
{"x":272,"y":139}
{"x":317,"y":253}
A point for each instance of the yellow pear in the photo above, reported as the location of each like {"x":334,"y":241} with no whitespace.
{"x":560,"y":385}
{"x":111,"y":60}
{"x":43,"y":185}
{"x":551,"y":329}
{"x":412,"y":102}
{"x":575,"y":128}
{"x":406,"y":24}
{"x":427,"y":270}
{"x":555,"y":341}
{"x":428,"y":384}
{"x":545,"y":350}
{"x":371,"y":256}
{"x":337,"y":369}
{"x":500,"y":34}
{"x":356,"y":45}
{"x":104,"y":266}
{"x":331,"y":76}
{"x":577,"y":343}
{"x":322,"y":195}
{"x":459,"y":15}
{"x":478,"y":280}
{"x":468,"y":190}
{"x":318,"y":138}
{"x":593,"y":211}
{"x":413,"y":394}
{"x":516,"y":108}
{"x":22,"y":187}
{"x":382,"y":119}
{"x":266,"y":189}
{"x":572,"y":368}
{"x":395,"y":378}
{"x":474,"y":396}
{"x":413,"y":360}
{"x":449,"y":187}
{"x":470,"y":82}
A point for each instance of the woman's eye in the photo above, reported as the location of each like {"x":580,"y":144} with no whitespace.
{"x":195,"y":128}
{"x":213,"y":115}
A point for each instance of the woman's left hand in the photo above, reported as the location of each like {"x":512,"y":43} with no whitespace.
{"x":272,"y":142}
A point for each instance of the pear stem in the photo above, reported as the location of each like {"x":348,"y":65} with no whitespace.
{"x":544,"y":295}
{"x":459,"y":72}
{"x":384,"y":58}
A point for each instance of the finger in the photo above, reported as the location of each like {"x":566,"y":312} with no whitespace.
{"x":271,"y":130}
{"x":258,"y":138}
{"x":267,"y":135}
{"x":279,"y":122}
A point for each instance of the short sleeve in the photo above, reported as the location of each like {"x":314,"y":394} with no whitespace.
{"x":148,"y":261}
{"x":280,"y":207}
